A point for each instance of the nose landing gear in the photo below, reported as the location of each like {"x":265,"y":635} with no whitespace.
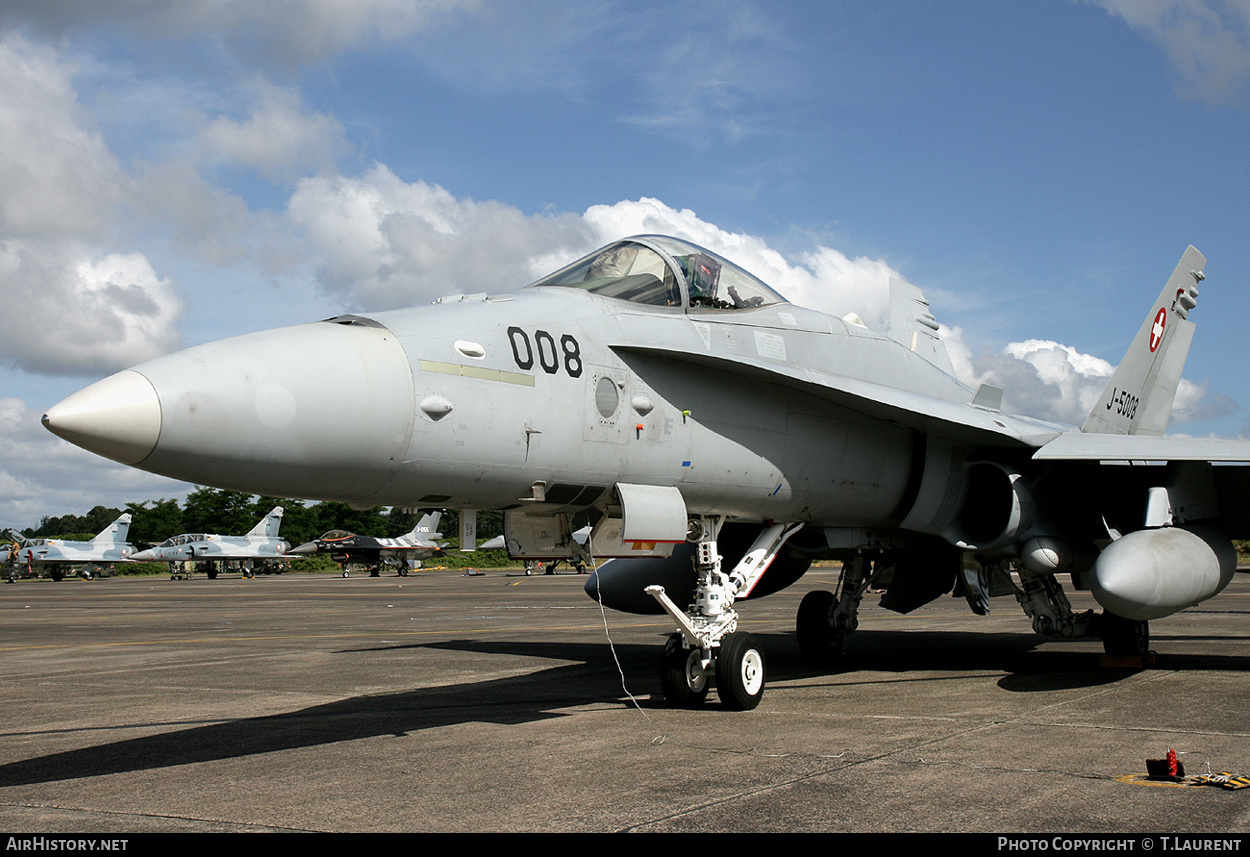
{"x":708,"y":647}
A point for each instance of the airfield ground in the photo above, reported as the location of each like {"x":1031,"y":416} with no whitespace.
{"x":443,"y":702}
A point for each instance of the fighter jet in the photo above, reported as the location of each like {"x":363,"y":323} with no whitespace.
{"x":717,"y":438}
{"x":403,"y":552}
{"x":209,"y":551}
{"x":58,"y":555}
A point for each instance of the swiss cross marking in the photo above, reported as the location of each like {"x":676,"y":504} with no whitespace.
{"x":1156,"y":332}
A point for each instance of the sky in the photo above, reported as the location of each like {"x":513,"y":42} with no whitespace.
{"x":180,"y":171}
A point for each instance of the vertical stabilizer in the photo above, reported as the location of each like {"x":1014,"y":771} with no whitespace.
{"x":115,"y":533}
{"x":1138,"y":400}
{"x":914,"y":326}
{"x":427,"y":527}
{"x":268,"y":526}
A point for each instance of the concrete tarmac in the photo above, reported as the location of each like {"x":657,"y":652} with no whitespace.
{"x":440,"y":702}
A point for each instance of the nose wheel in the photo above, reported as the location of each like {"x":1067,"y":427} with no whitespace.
{"x":682,"y":677}
{"x":709,"y":647}
{"x":738,"y":670}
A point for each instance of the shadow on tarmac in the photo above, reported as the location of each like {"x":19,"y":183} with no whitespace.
{"x":876,"y":656}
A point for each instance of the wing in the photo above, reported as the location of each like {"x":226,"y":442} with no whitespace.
{"x":1082,"y":446}
{"x":962,"y":422}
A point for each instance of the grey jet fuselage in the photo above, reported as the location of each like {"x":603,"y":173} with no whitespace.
{"x":560,"y":386}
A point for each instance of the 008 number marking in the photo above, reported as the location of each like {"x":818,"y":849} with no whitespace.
{"x":543,"y":349}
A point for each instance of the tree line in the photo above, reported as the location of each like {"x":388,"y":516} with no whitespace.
{"x":213,"y":510}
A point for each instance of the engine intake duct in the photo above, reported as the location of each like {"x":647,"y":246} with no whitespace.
{"x":996,"y":510}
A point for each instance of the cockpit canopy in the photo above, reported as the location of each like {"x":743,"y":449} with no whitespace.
{"x":662,"y":271}
{"x":185,"y":538}
{"x":336,"y":536}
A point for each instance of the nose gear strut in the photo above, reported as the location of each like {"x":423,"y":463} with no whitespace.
{"x":708,"y":645}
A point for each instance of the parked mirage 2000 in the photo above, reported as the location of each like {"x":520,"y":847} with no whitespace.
{"x":404,"y":552}
{"x":57,"y":555}
{"x":260,"y":546}
{"x":720,"y":437}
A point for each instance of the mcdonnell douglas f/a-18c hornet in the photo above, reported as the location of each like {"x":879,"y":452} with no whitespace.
{"x":718,"y":438}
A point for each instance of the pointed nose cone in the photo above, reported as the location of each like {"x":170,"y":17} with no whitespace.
{"x":144,"y":556}
{"x":320,"y":411}
{"x":118,"y":418}
{"x":305,"y":548}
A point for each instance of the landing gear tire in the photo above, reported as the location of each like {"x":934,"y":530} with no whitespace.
{"x":681,"y":678}
{"x":1123,"y":637}
{"x":817,"y":641}
{"x":740,"y":672}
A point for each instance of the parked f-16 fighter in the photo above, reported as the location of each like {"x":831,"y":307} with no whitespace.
{"x":58,"y":555}
{"x":404,"y":552}
{"x":721,"y":438}
{"x":208,"y":550}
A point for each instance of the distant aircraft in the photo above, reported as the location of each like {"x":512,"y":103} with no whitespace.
{"x":720,"y":438}
{"x":547,"y":564}
{"x":403,"y":552}
{"x":58,"y":555}
{"x":261,"y":546}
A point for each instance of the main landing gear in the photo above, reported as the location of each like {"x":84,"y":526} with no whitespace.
{"x":1122,"y":637}
{"x":825,"y":618}
{"x":1043,"y":601}
{"x":708,"y":649}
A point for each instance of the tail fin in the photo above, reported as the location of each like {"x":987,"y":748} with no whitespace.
{"x":268,"y":526}
{"x":426,"y":527}
{"x":912,"y":324}
{"x":114,"y":533}
{"x":1138,"y":400}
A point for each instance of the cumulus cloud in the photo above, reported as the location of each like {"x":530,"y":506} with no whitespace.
{"x":57,"y":175}
{"x":85,"y":314}
{"x":1052,"y":381}
{"x":387,"y":243}
{"x":84,"y":310}
{"x":1207,"y":42}
{"x":280,"y":139}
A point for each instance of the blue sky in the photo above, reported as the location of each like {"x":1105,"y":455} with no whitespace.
{"x":178,"y":172}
